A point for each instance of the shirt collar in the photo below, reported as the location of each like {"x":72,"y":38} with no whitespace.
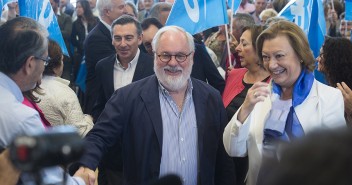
{"x":9,"y":84}
{"x":108,"y":26}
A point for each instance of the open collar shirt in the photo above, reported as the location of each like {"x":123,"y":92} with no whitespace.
{"x":180,"y":144}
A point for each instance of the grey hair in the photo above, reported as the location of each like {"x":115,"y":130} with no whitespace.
{"x":243,"y":20}
{"x":103,"y":4}
{"x":159,"y":7}
{"x":21,"y":38}
{"x":155,"y":42}
{"x":133,"y":6}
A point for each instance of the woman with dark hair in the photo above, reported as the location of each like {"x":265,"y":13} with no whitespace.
{"x":290,"y":106}
{"x":239,"y":80}
{"x":59,"y":102}
{"x":85,"y":22}
{"x":335,"y":61}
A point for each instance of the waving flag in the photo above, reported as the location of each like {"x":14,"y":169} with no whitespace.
{"x":309,"y":15}
{"x":197,"y":15}
{"x":235,"y":6}
{"x":1,"y":6}
{"x":42,"y":11}
{"x":348,"y":10}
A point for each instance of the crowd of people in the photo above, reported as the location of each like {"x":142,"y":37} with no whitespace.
{"x":161,"y":101}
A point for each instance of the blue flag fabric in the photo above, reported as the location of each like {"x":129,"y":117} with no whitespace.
{"x":41,"y":11}
{"x":309,"y":15}
{"x":197,"y":15}
{"x":348,"y":10}
{"x":81,"y":76}
{"x":236,"y":5}
{"x":1,"y":6}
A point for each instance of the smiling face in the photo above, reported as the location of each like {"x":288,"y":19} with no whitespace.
{"x":246,"y":51}
{"x":281,"y":61}
{"x":173,"y":75}
{"x":126,"y":40}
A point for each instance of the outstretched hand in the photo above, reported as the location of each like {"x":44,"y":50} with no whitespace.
{"x":86,"y":174}
{"x":9,"y":175}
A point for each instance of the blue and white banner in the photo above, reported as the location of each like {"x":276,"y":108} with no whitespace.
{"x":235,"y":6}
{"x":1,"y":7}
{"x":348,"y":10}
{"x":309,"y":15}
{"x":41,"y":11}
{"x":197,"y":15}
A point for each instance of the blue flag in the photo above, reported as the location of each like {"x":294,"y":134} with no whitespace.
{"x":348,"y":10}
{"x":41,"y":11}
{"x":81,"y":76}
{"x":197,"y":15}
{"x":309,"y":15}
{"x":236,"y":5}
{"x":1,"y":6}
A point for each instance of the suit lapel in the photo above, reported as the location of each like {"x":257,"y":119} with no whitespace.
{"x":307,"y":112}
{"x":199,"y":99}
{"x":139,"y":68}
{"x":109,"y":80}
{"x":150,"y":96}
{"x":106,"y":32}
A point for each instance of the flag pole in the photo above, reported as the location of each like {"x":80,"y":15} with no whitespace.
{"x":228,"y":46}
{"x":232,"y":12}
{"x":227,"y":35}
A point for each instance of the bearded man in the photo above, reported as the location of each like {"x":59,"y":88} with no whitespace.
{"x":167,"y":123}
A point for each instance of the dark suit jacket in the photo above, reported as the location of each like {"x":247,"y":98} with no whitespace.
{"x":97,"y":46}
{"x":205,"y":70}
{"x":105,"y":78}
{"x":65,"y":23}
{"x":133,"y":116}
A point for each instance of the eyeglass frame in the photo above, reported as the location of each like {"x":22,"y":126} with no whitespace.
{"x":46,"y":60}
{"x":185,"y":55}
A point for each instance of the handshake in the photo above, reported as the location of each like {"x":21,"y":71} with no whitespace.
{"x":33,"y":154}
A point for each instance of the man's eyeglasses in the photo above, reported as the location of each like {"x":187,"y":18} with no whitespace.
{"x":179,"y":57}
{"x":46,"y":60}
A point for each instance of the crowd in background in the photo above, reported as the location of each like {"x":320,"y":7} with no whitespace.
{"x":260,"y":85}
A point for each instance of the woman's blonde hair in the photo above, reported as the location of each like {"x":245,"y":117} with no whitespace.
{"x":296,"y":38}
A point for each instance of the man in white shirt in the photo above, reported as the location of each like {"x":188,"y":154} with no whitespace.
{"x":23,"y":54}
{"x":125,"y":66}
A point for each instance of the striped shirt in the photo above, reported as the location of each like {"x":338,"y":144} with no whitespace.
{"x":179,"y":148}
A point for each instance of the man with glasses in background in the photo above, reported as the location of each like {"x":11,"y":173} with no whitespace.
{"x":23,"y":55}
{"x":167,"y":123}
